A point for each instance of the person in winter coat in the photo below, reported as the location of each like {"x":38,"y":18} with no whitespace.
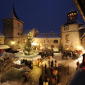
{"x":45,"y":69}
{"x":41,"y":80}
{"x":52,"y":63}
{"x":77,"y":64}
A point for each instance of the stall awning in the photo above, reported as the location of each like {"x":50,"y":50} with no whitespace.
{"x":4,"y":47}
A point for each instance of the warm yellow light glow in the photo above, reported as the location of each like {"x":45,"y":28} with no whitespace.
{"x":34,"y":44}
{"x":17,"y":62}
{"x":80,"y":59}
{"x":13,"y":42}
{"x":79,"y":47}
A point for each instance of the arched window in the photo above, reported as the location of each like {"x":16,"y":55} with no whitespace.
{"x":55,"y":41}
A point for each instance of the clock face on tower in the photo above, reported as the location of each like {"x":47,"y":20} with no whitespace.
{"x":66,"y":28}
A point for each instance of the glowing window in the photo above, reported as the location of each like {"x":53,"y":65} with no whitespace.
{"x":0,"y":41}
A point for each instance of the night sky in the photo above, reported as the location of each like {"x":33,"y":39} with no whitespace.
{"x":45,"y":15}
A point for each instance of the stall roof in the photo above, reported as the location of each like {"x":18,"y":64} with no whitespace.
{"x":4,"y":47}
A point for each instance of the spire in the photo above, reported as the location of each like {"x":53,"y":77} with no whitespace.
{"x":13,"y":13}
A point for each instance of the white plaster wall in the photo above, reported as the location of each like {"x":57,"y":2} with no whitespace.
{"x":74,"y":40}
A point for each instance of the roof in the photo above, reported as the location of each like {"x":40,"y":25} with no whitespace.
{"x":78,"y":78}
{"x":4,"y":47}
{"x":80,"y":4}
{"x":72,"y":22}
{"x":47,"y":36}
{"x":13,"y":14}
{"x":72,"y":10}
{"x":82,"y":27}
{"x":82,"y":35}
{"x":25,"y":32}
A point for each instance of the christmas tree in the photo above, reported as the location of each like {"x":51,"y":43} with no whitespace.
{"x":28,"y":47}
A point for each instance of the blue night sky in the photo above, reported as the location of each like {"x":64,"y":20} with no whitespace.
{"x":45,"y":15}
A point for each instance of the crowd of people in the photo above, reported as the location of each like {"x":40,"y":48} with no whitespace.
{"x":46,"y":53}
{"x":54,"y":74}
{"x":71,"y":54}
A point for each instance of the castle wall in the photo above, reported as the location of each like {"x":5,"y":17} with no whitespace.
{"x":70,"y":37}
{"x":49,"y":42}
{"x":17,"y":28}
{"x":8,"y":27}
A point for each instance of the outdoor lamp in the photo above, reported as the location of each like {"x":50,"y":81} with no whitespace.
{"x":34,"y":44}
{"x":13,"y":42}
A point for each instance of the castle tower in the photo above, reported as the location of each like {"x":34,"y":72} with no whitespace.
{"x":72,"y":15}
{"x":12,"y":29}
{"x":69,"y":32}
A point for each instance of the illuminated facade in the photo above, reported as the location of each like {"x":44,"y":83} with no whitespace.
{"x":70,"y":32}
{"x":70,"y":36}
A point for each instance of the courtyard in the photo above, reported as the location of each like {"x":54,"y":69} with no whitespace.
{"x":16,"y":74}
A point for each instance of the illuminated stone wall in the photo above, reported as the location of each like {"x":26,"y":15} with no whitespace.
{"x":47,"y":42}
{"x":13,"y":30}
{"x":2,"y":40}
{"x":70,"y":37}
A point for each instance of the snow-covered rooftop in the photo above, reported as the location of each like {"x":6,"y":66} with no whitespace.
{"x":4,"y":47}
{"x":48,"y":36}
{"x":72,"y":22}
{"x":82,"y":27}
{"x":25,"y":32}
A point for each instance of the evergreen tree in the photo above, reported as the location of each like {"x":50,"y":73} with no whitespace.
{"x":28,"y":46}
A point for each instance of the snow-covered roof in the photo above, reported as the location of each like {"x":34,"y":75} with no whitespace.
{"x":4,"y":47}
{"x":5,"y":54}
{"x":82,"y":27}
{"x":13,"y":14}
{"x":48,"y":36}
{"x":72,"y":22}
{"x":25,"y":32}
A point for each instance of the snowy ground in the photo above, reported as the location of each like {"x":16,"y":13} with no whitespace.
{"x":31,"y":57}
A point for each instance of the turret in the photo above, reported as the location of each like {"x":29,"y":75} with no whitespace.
{"x":72,"y":15}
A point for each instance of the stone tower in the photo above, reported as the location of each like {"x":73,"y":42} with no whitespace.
{"x":12,"y":30}
{"x":69,"y":32}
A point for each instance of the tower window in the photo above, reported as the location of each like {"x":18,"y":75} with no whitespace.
{"x":18,"y":24}
{"x":8,"y":23}
{"x":0,"y":41}
{"x":18,"y":33}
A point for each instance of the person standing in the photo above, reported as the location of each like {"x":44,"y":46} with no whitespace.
{"x":49,"y":63}
{"x":41,"y":80}
{"x":45,"y":68}
{"x":52,"y":54}
{"x":52,"y":63}
{"x":77,"y":64}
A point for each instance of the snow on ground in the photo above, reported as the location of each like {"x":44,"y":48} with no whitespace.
{"x":57,"y":56}
{"x":10,"y":83}
{"x":32,"y":57}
